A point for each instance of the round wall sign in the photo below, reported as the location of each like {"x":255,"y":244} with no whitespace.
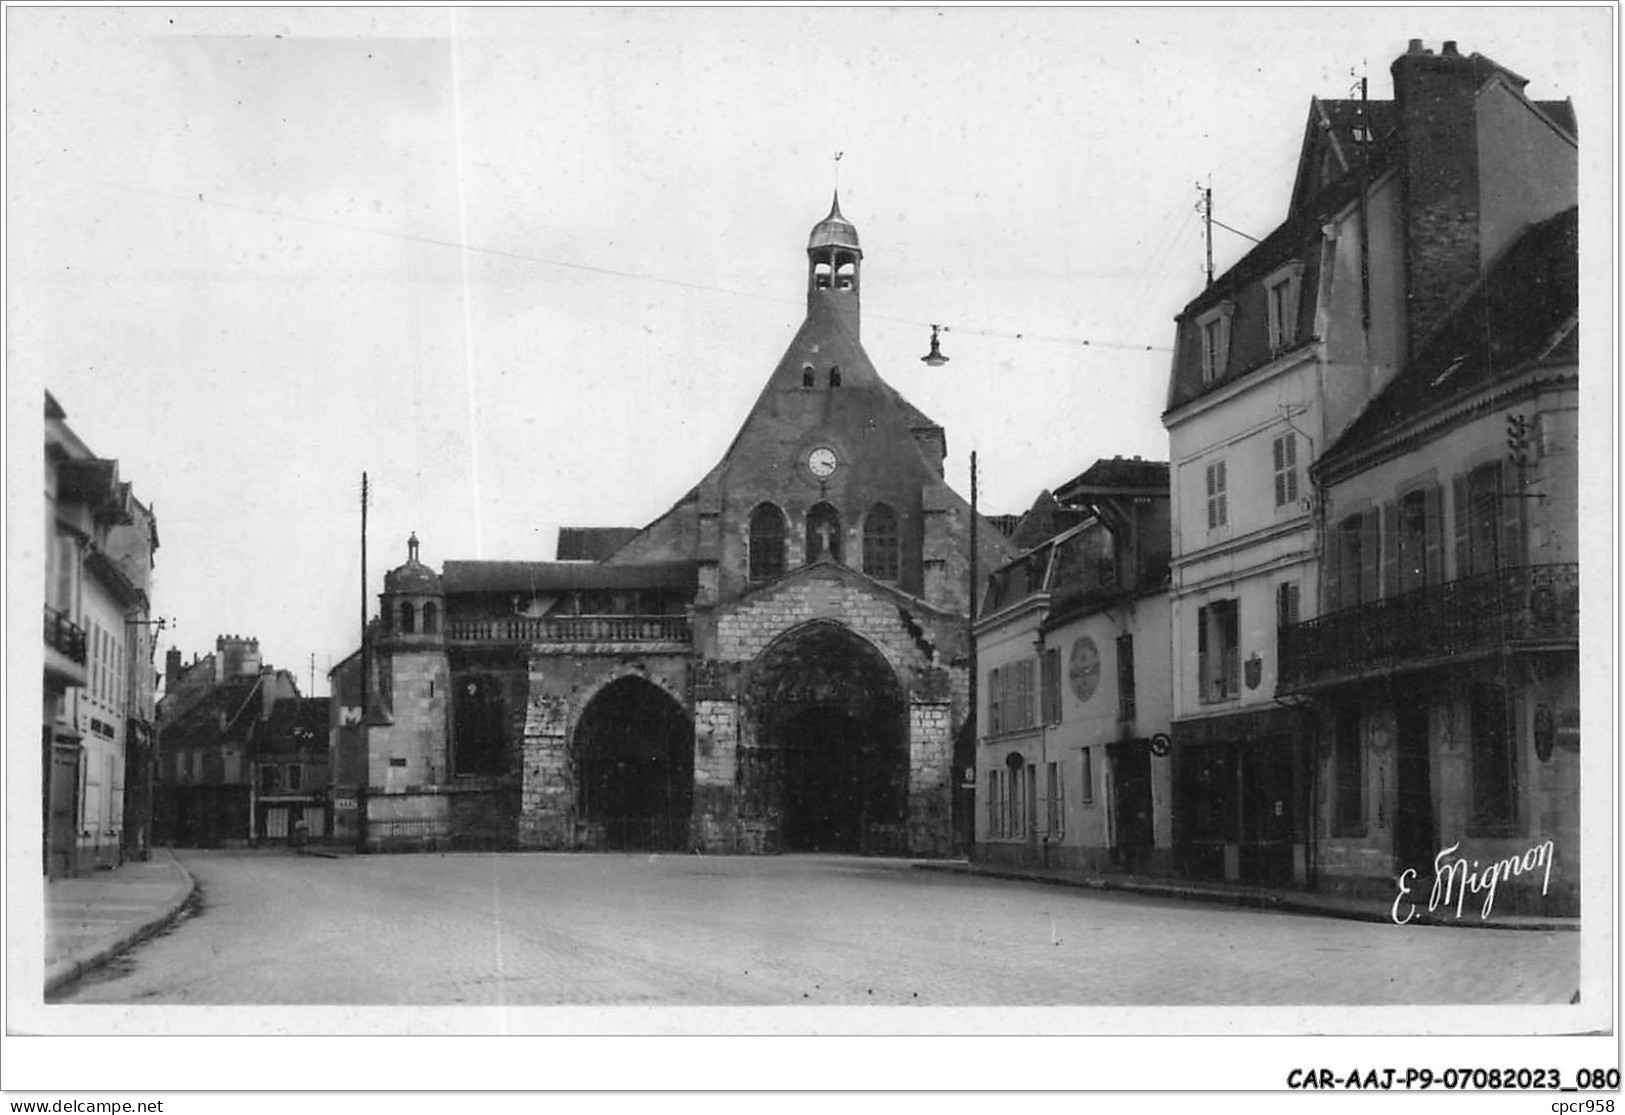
{"x":1083,"y":667}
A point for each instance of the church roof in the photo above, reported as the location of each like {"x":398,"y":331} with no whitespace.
{"x":592,"y":543}
{"x":413,"y":577}
{"x":564,"y":576}
{"x":834,"y":230}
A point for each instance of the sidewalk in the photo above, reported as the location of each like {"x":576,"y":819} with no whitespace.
{"x":1260,"y":898}
{"x":92,"y":919}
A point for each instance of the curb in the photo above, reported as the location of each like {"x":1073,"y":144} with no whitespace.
{"x":1286,"y":904}
{"x":66,"y":972}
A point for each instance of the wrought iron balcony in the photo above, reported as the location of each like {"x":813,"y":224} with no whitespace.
{"x":571,"y":629}
{"x":65,"y":637}
{"x":1525,"y":607}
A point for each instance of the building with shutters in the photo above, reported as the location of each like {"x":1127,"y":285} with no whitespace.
{"x":1443,"y":669}
{"x":243,"y":756}
{"x":1398,"y":210}
{"x":97,"y":722}
{"x":778,"y":662}
{"x":1072,"y":761}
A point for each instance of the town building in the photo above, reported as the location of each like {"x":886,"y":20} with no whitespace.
{"x":96,"y":727}
{"x":1443,"y":670}
{"x":1397,"y":210}
{"x":244,"y":757}
{"x":779,"y":662}
{"x":1072,"y":642}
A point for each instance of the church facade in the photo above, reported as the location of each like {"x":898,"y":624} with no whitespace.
{"x":780,"y":662}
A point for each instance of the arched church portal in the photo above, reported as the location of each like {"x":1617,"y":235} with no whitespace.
{"x":830,"y":769}
{"x":634,"y":763}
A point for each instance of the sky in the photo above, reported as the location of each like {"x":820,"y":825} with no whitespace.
{"x":529,"y":268}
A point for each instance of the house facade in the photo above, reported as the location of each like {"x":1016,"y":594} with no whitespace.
{"x":242,"y":755}
{"x":98,"y":681}
{"x":1443,"y":670}
{"x":1076,"y":696}
{"x":1395,"y":207}
{"x":779,"y":662}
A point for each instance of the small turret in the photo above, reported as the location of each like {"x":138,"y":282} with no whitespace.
{"x":412,"y":606}
{"x":833,"y":262}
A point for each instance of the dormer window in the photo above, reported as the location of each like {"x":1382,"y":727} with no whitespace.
{"x":1213,"y":330}
{"x":1281,"y":298}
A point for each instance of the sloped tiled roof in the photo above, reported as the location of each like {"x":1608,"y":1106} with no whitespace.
{"x":1524,"y":308}
{"x":592,"y":543}
{"x":1119,"y":472}
{"x":553,"y":576}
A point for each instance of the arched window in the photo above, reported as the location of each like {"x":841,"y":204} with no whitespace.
{"x":821,"y":275}
{"x":431,"y":619}
{"x":766,"y":543}
{"x":407,"y":618}
{"x":807,"y":375}
{"x":835,"y":376}
{"x":846,"y":276}
{"x":882,"y":552}
{"x":823,"y":532}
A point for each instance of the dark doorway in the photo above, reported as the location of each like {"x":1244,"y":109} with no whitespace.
{"x":634,"y":758}
{"x":829,"y":771}
{"x":62,"y":804}
{"x":1133,"y":836}
{"x":1414,"y":842}
{"x":824,"y":806}
{"x":1205,"y":781}
{"x":1268,"y":813}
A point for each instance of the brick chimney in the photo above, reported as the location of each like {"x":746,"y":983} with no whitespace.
{"x":172,"y":668}
{"x":1435,"y":96}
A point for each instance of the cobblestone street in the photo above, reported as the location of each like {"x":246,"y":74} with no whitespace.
{"x":774,"y":931}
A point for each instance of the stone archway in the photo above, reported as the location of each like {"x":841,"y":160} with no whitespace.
{"x":633,"y":754}
{"x":829,"y":769}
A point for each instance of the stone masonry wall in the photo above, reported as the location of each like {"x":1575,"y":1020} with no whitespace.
{"x":545,"y":787}
{"x":930,"y":778}
{"x":716,"y":758}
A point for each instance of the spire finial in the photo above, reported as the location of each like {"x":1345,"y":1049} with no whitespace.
{"x":412,"y":547}
{"x":837,"y":163}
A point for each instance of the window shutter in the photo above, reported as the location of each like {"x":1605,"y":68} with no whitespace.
{"x":1511,"y":549}
{"x":1390,"y":549}
{"x":1291,"y":445}
{"x":1370,"y":555}
{"x":1458,"y":495}
{"x":1332,"y":598}
{"x":1204,"y":661}
{"x":1433,"y":554}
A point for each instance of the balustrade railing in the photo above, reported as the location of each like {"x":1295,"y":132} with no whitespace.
{"x":1527,"y":605}
{"x":64,"y":636}
{"x":571,"y":629}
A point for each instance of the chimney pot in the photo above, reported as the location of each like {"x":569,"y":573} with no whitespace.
{"x":1416,"y":47}
{"x":1450,"y":49}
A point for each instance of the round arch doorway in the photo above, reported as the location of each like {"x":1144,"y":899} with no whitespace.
{"x":831,"y":771}
{"x":634,"y":766}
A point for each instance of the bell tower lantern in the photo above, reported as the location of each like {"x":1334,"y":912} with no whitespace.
{"x":833,"y":262}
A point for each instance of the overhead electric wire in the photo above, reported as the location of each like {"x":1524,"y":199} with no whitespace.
{"x":502,"y":253}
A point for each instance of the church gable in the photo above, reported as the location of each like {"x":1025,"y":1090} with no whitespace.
{"x":913,"y":636}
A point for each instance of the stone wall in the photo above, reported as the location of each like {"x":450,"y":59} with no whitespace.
{"x":930,"y":778}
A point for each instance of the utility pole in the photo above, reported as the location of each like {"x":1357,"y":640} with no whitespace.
{"x":364,"y":663}
{"x":1205,"y":207}
{"x":969,"y":796}
{"x":361,"y":791}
